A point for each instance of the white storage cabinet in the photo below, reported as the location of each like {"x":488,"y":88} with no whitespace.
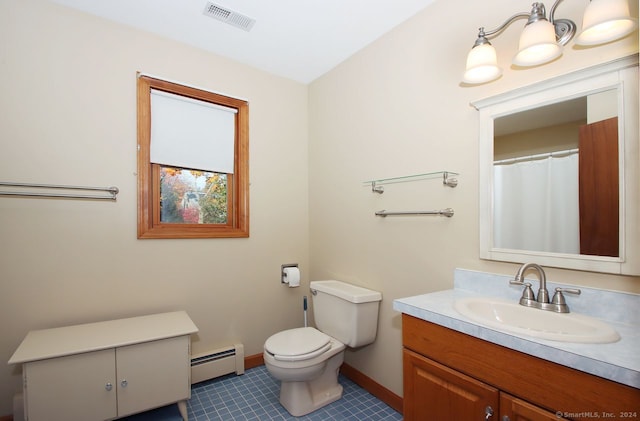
{"x":107,"y":370}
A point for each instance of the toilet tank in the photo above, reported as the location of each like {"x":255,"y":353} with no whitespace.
{"x":346,"y":312}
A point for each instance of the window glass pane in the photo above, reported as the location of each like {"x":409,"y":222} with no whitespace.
{"x":192,"y":197}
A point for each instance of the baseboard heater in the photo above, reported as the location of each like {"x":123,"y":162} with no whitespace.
{"x":217,"y":362}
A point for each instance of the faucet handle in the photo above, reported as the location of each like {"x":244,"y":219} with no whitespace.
{"x":558,"y":301}
{"x":558,"y":297}
{"x":527,"y":293}
{"x":575,"y":291}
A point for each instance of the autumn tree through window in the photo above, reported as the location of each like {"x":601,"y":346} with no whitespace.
{"x":192,"y":196}
{"x":192,"y":162}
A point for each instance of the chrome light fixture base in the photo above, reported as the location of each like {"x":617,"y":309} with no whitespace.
{"x":565,"y":30}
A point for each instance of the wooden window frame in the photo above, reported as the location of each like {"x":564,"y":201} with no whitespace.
{"x":149,"y":225}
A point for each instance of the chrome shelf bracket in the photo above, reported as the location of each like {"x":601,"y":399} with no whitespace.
{"x":447,"y":181}
{"x":376,"y":189}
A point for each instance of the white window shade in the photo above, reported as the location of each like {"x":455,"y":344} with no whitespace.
{"x":190,"y":133}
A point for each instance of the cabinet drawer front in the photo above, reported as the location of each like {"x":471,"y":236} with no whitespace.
{"x":72,"y":388}
{"x":518,"y":410}
{"x":152,"y":374}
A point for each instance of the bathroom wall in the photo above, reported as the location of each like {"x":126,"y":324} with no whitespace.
{"x":560,"y":137}
{"x":68,"y":116}
{"x":397,"y":108}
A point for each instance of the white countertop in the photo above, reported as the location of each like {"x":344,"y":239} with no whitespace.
{"x":618,"y":361}
{"x":62,"y":341}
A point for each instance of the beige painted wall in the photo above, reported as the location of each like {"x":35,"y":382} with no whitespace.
{"x":396,"y":108}
{"x":560,"y":137}
{"x":68,"y":116}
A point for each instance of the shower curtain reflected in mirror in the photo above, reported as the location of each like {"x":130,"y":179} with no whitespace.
{"x":536,"y":204}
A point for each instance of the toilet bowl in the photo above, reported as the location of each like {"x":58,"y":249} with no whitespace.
{"x":308,"y":370}
{"x":307,"y":360}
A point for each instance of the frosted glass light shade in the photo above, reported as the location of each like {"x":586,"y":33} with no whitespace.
{"x":605,"y":21}
{"x":537,"y":44}
{"x":482,"y":65}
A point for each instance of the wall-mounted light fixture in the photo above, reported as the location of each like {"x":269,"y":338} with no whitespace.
{"x":542,"y":40}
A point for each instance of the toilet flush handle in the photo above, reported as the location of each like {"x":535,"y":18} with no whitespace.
{"x":314,"y":292}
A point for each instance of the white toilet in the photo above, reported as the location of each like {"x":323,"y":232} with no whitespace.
{"x":306,"y":360}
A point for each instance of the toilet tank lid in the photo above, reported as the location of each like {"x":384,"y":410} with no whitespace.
{"x":352,"y":293}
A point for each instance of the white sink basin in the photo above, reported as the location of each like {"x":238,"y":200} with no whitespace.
{"x":513,"y":317}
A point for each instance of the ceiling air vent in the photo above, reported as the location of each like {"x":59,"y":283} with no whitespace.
{"x":228,"y":16}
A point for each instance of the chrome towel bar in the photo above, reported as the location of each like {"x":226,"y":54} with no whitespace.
{"x":112,"y":191}
{"x":448,"y":212}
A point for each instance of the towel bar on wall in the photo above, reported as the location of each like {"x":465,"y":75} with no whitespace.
{"x":448,"y":212}
{"x":112,"y":191}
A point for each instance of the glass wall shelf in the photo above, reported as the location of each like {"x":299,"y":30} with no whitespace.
{"x":448,"y":179}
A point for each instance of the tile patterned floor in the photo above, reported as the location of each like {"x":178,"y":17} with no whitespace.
{"x":254,"y":396}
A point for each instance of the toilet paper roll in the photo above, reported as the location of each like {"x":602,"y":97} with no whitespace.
{"x":292,"y":276}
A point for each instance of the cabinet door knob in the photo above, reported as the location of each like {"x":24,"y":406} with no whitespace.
{"x":488,"y":413}
{"x":108,"y":387}
{"x":124,"y":383}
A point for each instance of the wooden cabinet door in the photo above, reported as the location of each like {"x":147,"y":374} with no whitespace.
{"x":515,"y":409}
{"x":433,"y":391}
{"x":153,"y":374}
{"x":72,"y":388}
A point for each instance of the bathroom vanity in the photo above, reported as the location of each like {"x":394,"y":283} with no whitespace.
{"x":455,"y":368}
{"x":106,"y":370}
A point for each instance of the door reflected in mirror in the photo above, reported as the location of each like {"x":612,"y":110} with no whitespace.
{"x":556,"y":186}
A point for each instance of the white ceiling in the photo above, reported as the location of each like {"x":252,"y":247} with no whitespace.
{"x":295,"y":39}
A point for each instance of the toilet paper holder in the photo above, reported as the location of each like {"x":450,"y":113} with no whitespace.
{"x":283,"y":275}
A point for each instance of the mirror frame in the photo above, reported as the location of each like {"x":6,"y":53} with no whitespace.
{"x":622,"y":75}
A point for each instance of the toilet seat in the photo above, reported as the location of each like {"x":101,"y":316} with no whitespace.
{"x":297,"y":344}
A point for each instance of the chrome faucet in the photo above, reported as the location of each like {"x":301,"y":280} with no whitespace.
{"x":541,"y":301}
{"x":543,"y":294}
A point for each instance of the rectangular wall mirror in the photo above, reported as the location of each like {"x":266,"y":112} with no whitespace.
{"x":559,"y":171}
